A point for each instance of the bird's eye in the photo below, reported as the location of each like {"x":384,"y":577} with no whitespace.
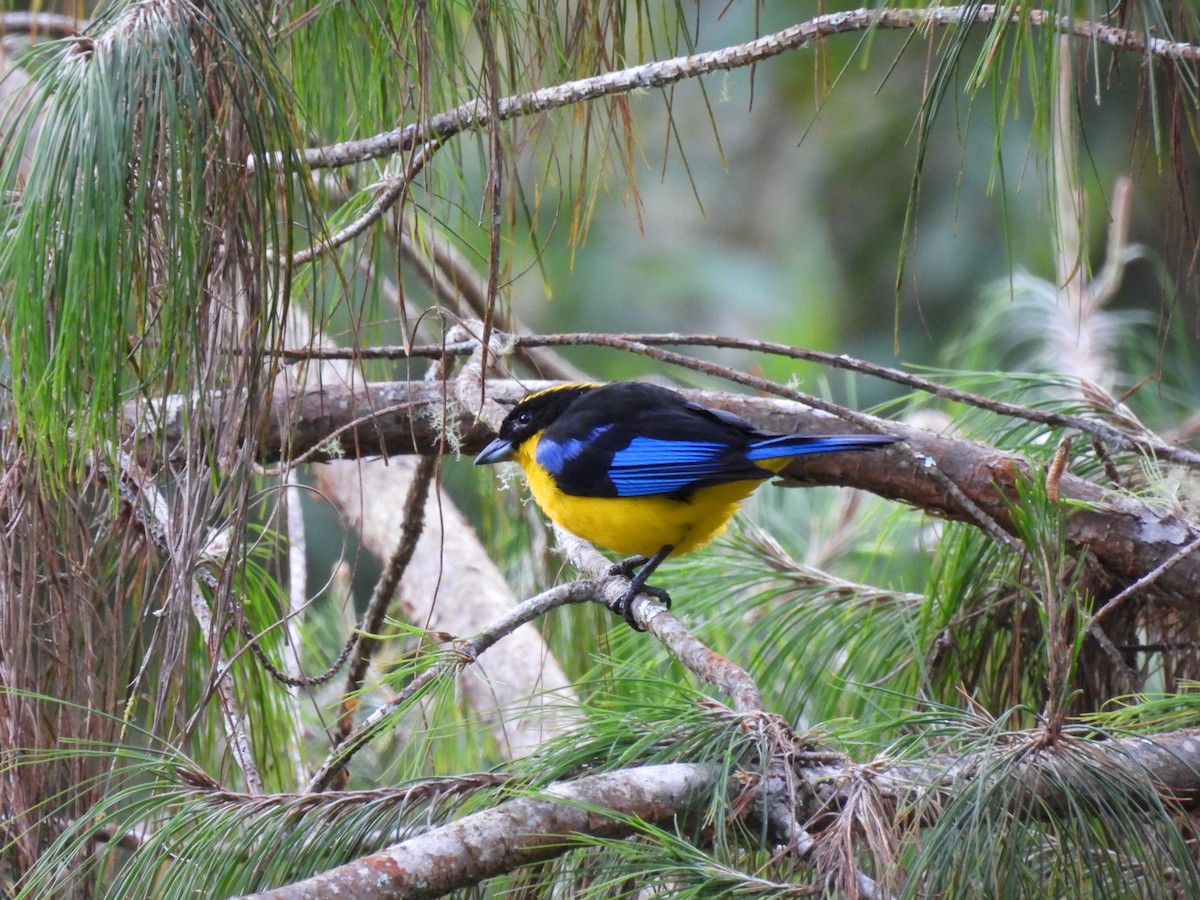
{"x":522,"y":419}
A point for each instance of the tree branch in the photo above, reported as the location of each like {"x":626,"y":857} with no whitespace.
{"x":149,"y":509}
{"x":640,"y":343}
{"x":465,"y":653}
{"x":606,"y":589}
{"x":708,"y":665}
{"x":481,"y":114}
{"x":1144,"y":443}
{"x":384,"y":592}
{"x":1166,"y":765}
{"x":389,"y":190}
{"x":1126,"y":535}
{"x":516,"y":833}
{"x":41,"y":24}
{"x":526,"y":830}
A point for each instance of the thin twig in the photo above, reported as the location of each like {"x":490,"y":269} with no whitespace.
{"x":768,"y":552}
{"x":1114,"y":654}
{"x":1146,"y":580}
{"x":463,"y":289}
{"x":234,"y":721}
{"x":392,"y":189}
{"x":149,"y":510}
{"x":385,"y":590}
{"x":493,"y":184}
{"x":466,"y":652}
{"x":842,"y":361}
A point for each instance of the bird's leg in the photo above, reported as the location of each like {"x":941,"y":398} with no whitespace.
{"x":637,"y":583}
{"x":626,"y":567}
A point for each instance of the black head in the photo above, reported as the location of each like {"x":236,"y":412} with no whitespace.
{"x":528,"y":417}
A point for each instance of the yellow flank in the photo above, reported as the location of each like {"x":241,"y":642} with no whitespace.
{"x":639,"y":525}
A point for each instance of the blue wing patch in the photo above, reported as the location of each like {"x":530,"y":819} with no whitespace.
{"x":655,"y":466}
{"x":648,"y":451}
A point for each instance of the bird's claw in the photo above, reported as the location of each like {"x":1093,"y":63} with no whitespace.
{"x":637,"y":569}
{"x":624,"y":606}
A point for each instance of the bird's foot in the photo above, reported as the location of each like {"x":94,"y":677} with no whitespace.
{"x":637,"y":569}
{"x":624,"y":606}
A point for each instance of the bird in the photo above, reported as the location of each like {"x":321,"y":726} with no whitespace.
{"x":639,"y":469}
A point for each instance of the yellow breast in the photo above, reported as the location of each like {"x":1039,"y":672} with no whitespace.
{"x":637,"y":525}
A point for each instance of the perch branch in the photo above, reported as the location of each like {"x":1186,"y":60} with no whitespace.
{"x":708,"y":665}
{"x":1098,"y":430}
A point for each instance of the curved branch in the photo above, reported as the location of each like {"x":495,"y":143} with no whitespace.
{"x":367,"y":638}
{"x":605,"y":589}
{"x":480,"y":114}
{"x":465,"y":653}
{"x":391,"y":189}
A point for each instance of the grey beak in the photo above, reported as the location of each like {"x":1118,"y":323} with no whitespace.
{"x":498,"y":450}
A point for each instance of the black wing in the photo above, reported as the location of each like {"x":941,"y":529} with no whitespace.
{"x":631,"y":439}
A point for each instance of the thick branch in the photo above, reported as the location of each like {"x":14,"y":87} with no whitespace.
{"x":1166,"y":765}
{"x":516,"y":833}
{"x":1129,"y":537}
{"x":526,"y":830}
{"x":480,"y":114}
